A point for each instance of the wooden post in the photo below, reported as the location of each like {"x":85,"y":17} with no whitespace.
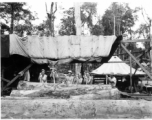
{"x":136,"y":61}
{"x":106,"y":79}
{"x":2,"y":83}
{"x":130,"y":73}
{"x":78,"y":29}
{"x":114,"y":25}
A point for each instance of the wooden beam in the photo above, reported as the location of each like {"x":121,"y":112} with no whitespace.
{"x":136,"y":40}
{"x":137,"y":61}
{"x":134,"y":52}
{"x":118,"y":62}
{"x":17,"y":77}
{"x":5,"y":79}
{"x":145,"y":59}
{"x":2,"y":83}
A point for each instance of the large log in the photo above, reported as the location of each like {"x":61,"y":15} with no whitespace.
{"x":63,"y":91}
{"x":98,"y":95}
{"x":55,"y":108}
{"x":79,"y":94}
{"x":24,"y":85}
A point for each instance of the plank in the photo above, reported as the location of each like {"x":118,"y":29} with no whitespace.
{"x":14,"y":79}
{"x":5,"y":79}
{"x":136,"y":40}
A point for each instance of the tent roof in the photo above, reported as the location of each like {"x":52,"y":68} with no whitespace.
{"x":116,"y":68}
{"x":61,"y":49}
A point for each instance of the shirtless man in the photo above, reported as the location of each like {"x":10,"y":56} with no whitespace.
{"x":43,"y":77}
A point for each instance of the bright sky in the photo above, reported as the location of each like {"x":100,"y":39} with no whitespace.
{"x":39,"y":7}
{"x":102,"y":5}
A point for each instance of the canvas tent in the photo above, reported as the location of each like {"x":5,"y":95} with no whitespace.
{"x":61,"y":49}
{"x":116,"y":68}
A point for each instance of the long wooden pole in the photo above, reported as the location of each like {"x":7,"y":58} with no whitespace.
{"x":106,"y":80}
{"x":136,"y":40}
{"x":16,"y":77}
{"x":151,"y":52}
{"x":3,"y":79}
{"x":136,"y":61}
{"x":114,"y":25}
{"x":2,"y":82}
{"x":130,"y":73}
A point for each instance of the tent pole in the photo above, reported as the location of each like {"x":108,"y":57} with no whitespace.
{"x":136,"y":61}
{"x":130,"y":73}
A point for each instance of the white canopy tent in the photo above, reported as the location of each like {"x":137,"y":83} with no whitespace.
{"x":116,"y":68}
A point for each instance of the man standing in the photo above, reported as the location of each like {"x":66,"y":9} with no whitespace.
{"x":54,"y":75}
{"x":69,"y":78}
{"x":43,"y":77}
{"x":112,"y":80}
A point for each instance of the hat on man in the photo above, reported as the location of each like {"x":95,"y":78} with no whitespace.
{"x":69,"y":71}
{"x":111,"y":73}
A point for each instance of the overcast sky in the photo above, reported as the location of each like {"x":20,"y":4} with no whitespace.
{"x":102,"y":5}
{"x":39,"y":7}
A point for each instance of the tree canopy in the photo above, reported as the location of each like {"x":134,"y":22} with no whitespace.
{"x":88,"y":11}
{"x":13,"y":12}
{"x":125,"y":19}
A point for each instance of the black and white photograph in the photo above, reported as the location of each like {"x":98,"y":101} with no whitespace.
{"x":76,"y":59}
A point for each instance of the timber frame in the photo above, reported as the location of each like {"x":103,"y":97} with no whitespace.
{"x":139,"y":56}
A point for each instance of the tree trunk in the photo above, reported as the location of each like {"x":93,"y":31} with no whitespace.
{"x":78,"y":31}
{"x":12,"y":19}
{"x":53,"y":27}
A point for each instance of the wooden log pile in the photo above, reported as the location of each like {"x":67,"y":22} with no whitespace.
{"x":80,"y":92}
